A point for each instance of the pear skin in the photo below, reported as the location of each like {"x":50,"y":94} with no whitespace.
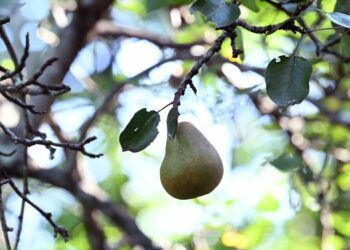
{"x":191,"y":166}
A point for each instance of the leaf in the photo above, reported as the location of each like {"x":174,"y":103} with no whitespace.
{"x":287,"y":80}
{"x":158,"y":4}
{"x":287,"y":163}
{"x":219,"y":12}
{"x":239,"y":42}
{"x":155,"y":4}
{"x":342,"y":6}
{"x":250,"y":4}
{"x":205,"y":6}
{"x":340,"y":19}
{"x":225,"y":15}
{"x":140,"y":131}
{"x":172,"y":123}
{"x":345,"y":50}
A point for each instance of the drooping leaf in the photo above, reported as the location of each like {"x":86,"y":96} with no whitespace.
{"x":172,"y":123}
{"x":287,"y":80}
{"x":340,"y":19}
{"x":140,"y":131}
{"x":218,"y":12}
{"x":225,"y":15}
{"x":287,"y":163}
{"x":250,"y":4}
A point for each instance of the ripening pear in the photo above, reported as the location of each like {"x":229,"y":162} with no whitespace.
{"x":191,"y":166}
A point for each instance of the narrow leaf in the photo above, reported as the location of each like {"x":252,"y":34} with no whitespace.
{"x":172,"y":123}
{"x":287,"y":163}
{"x":140,"y":131}
{"x":287,"y":80}
{"x":340,"y":19}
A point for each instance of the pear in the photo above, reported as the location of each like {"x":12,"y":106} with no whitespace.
{"x":191,"y":166}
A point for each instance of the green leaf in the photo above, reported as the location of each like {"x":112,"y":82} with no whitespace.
{"x":345,"y":50}
{"x":287,"y":80}
{"x":219,"y":12}
{"x":225,"y":15}
{"x":342,"y":6}
{"x":140,"y":131}
{"x":155,"y":4}
{"x":340,"y":19}
{"x":250,"y":4}
{"x":239,"y":42}
{"x":287,"y":163}
{"x":207,"y":7}
{"x":172,"y":123}
{"x":306,"y":174}
{"x":158,"y":4}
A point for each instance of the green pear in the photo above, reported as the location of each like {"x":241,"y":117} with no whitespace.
{"x":191,"y":166}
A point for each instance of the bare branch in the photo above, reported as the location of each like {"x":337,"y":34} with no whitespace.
{"x":48,"y":216}
{"x":5,"y":228}
{"x":109,"y":30}
{"x":48,"y":143}
{"x":4,"y":20}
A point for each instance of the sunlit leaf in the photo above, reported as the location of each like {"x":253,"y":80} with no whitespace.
{"x":250,"y":4}
{"x":340,"y":19}
{"x":287,"y":80}
{"x":8,"y":64}
{"x":140,"y":131}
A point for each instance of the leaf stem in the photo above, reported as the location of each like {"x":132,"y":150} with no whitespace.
{"x":170,"y":103}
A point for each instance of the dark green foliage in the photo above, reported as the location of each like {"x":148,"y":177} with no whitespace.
{"x":218,"y":12}
{"x":172,"y":123}
{"x":140,"y":131}
{"x":287,"y":80}
{"x":287,"y":162}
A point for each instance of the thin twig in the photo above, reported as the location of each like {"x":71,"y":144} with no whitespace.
{"x":48,"y":143}
{"x":7,"y":154}
{"x":22,"y":63}
{"x":4,"y":226}
{"x":4,"y":20}
{"x":8,"y":45}
{"x":48,"y":216}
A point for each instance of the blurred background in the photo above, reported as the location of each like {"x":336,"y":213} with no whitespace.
{"x":140,"y":51}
